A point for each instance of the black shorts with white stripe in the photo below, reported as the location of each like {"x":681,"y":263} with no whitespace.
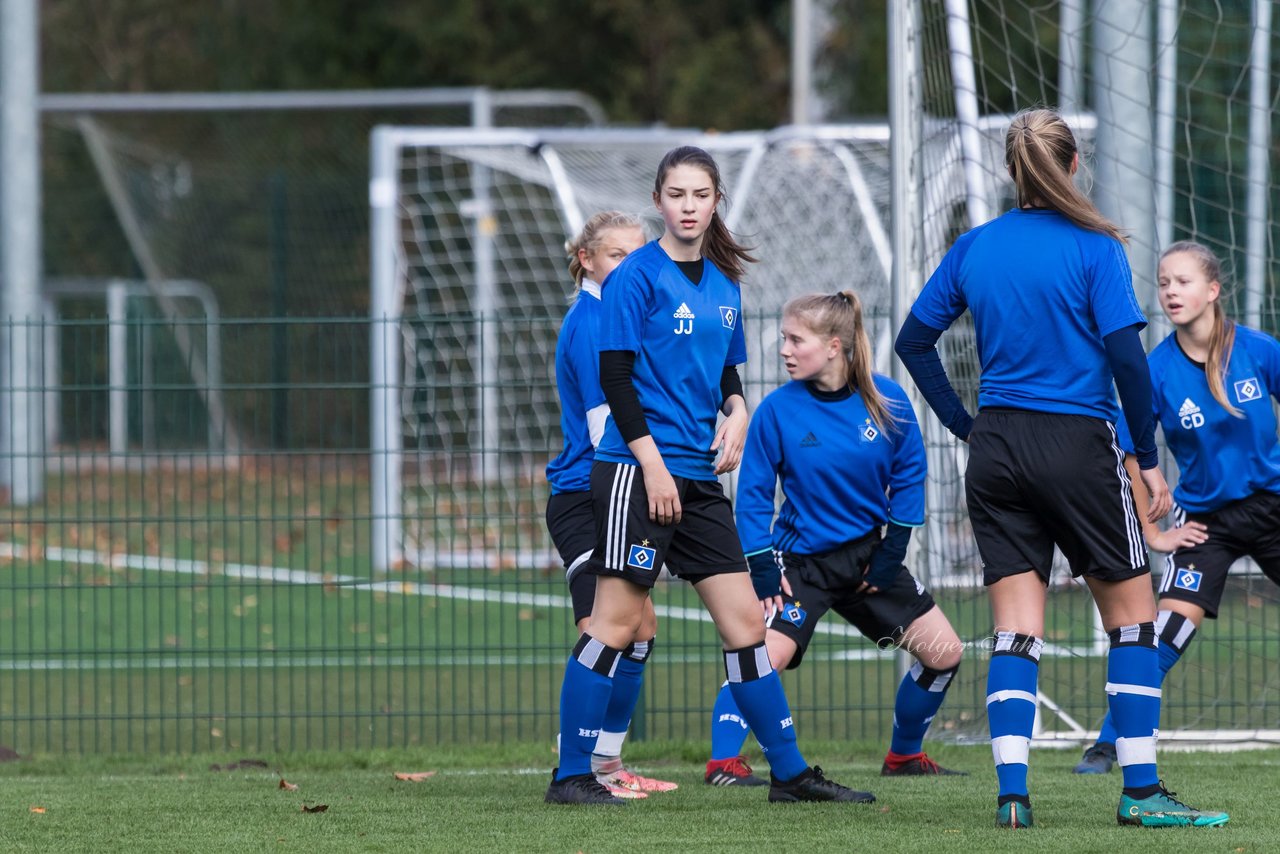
{"x":632,"y":546}
{"x":1250,"y":526}
{"x":829,"y":582}
{"x":571,"y":521}
{"x":1040,"y":479}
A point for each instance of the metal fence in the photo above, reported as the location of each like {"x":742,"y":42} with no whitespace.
{"x":174,"y":596}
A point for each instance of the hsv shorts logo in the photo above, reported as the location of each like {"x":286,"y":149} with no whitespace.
{"x":1188,"y":579}
{"x":728,"y":316}
{"x":793,"y":614}
{"x":641,"y":557}
{"x":1247,"y":390}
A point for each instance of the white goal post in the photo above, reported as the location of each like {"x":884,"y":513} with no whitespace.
{"x":473,"y":223}
{"x":469,"y":284}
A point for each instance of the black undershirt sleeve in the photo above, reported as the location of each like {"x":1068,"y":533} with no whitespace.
{"x":730,"y":383}
{"x":621,"y":395}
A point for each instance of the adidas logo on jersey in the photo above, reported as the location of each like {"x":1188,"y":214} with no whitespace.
{"x":684,"y":320}
{"x":809,"y":441}
{"x":1189,"y":415}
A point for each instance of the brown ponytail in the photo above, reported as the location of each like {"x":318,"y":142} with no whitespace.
{"x":840,"y":316}
{"x":718,"y":243}
{"x":1038,"y":150}
{"x":1223,"y":336}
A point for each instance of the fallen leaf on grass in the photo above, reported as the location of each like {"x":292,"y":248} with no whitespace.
{"x":316,"y":808}
{"x":37,"y":809}
{"x":287,"y":786}
{"x":414,"y":776}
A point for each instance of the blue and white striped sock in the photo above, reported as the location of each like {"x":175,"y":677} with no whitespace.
{"x":628,"y":679}
{"x":584,"y":695}
{"x":920,"y":695}
{"x":1175,"y":632}
{"x":1133,"y":692}
{"x":758,"y":692}
{"x":1011,"y":707}
{"x":728,"y":728}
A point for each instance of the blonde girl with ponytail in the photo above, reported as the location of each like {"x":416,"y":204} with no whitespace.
{"x":1213,"y":386}
{"x":671,"y":338}
{"x":1056,"y":324}
{"x":844,"y":444}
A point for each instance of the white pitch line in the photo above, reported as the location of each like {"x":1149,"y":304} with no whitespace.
{"x":280,"y":575}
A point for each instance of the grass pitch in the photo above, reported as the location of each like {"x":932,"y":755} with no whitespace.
{"x":490,"y":799}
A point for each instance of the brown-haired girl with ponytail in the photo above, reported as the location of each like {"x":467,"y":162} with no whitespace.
{"x":1057,"y":327}
{"x":1213,"y":382}
{"x":671,"y":339}
{"x":606,"y":238}
{"x":844,"y":443}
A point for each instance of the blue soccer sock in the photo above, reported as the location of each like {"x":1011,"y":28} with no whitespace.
{"x":758,"y":692}
{"x":920,"y":695}
{"x":728,"y":729}
{"x":1133,"y":692}
{"x":628,"y":679}
{"x":1175,"y":632}
{"x":1011,"y":707}
{"x":584,"y":695}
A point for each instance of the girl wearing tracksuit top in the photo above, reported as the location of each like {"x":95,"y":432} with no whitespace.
{"x":1055,"y":321}
{"x":1213,"y":382}
{"x":846,"y":447}
{"x":670,"y":341}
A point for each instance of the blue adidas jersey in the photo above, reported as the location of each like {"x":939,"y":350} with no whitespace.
{"x":1220,"y":458}
{"x":683,"y":335}
{"x":841,"y":475}
{"x":1043,"y":293}
{"x":578,"y":383}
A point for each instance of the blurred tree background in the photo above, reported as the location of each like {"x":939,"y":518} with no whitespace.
{"x":715,"y":64}
{"x":271,"y":211}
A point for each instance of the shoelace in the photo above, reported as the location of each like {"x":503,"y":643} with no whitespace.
{"x":1171,"y":796}
{"x":738,"y":767}
{"x":929,"y":765}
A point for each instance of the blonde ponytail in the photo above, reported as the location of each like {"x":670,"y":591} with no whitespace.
{"x":840,"y":316}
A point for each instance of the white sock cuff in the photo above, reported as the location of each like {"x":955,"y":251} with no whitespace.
{"x":1136,"y":751}
{"x":1123,"y":688}
{"x":1004,"y":696}
{"x":609,"y":743}
{"x":1011,"y":749}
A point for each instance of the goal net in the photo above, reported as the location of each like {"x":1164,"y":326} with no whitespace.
{"x":470,"y":284}
{"x":1171,"y":103}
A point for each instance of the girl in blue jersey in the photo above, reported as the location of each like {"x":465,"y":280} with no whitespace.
{"x":1213,"y":383}
{"x":605,"y":240}
{"x":671,"y":338}
{"x":845,"y":444}
{"x":1055,"y":320}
